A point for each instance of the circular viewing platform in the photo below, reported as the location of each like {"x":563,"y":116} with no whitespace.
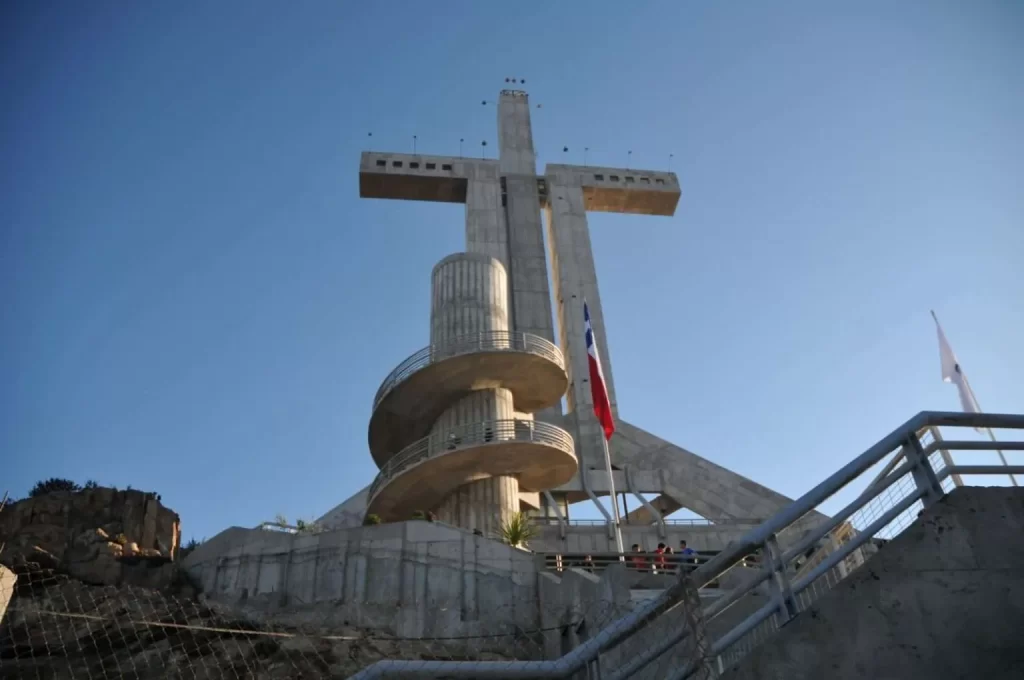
{"x":539,"y":454}
{"x":418,"y":391}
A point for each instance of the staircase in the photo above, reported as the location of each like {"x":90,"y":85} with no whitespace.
{"x":768,"y":616}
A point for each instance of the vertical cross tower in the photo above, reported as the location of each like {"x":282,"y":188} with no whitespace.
{"x":453,"y":427}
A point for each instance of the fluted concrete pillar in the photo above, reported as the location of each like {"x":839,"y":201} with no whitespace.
{"x":469,"y":303}
{"x":469,"y":296}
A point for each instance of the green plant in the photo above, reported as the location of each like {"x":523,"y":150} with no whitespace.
{"x":280,"y":520}
{"x":91,"y":484}
{"x":517,"y":530}
{"x":371,"y":520}
{"x":184,"y":550}
{"x":311,"y":527}
{"x":53,"y":484}
{"x":419,"y":514}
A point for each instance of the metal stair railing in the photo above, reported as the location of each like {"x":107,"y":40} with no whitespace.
{"x":884,"y":508}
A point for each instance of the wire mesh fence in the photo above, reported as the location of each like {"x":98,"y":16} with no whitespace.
{"x":56,"y":626}
{"x":316,"y":606}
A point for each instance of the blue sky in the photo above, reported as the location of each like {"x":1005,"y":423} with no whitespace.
{"x":196,"y":302}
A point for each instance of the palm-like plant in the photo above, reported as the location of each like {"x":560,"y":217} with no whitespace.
{"x":517,"y":530}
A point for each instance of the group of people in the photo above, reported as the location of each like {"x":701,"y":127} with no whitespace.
{"x":663,"y":560}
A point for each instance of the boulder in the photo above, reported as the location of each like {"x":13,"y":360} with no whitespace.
{"x":91,"y":533}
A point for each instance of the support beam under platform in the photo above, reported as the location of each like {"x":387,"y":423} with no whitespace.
{"x":693,"y":482}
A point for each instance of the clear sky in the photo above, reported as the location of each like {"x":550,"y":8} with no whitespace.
{"x":195,"y":301}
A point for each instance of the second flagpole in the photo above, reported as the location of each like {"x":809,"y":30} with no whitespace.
{"x":612,"y":494}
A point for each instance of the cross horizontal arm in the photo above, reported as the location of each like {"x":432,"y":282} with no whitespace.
{"x":418,"y":177}
{"x":620,"y":190}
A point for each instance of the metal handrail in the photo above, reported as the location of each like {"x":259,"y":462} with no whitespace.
{"x":487,"y":341}
{"x":470,"y":436}
{"x":761,"y":541}
{"x":645,"y":562}
{"x":688,"y":521}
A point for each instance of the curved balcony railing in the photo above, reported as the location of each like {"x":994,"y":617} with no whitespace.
{"x":470,"y":436}
{"x":490,"y":341}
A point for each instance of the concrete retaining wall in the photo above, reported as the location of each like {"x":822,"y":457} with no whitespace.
{"x":409,"y":579}
{"x":944,"y":599}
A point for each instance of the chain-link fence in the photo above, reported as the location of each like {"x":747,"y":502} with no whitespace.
{"x":56,"y":626}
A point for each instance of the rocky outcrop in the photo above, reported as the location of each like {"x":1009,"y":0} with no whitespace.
{"x":100,"y":536}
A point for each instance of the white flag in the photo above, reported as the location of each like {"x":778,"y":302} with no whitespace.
{"x":952,"y":373}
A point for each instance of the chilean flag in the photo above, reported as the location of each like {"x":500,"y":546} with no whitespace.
{"x":598,"y":387}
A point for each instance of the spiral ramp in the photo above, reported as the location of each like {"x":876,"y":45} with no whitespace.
{"x":452,"y":427}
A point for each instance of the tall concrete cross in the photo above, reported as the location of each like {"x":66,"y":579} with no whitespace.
{"x":503,"y":199}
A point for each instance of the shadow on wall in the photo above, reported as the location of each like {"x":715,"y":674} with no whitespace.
{"x":944,"y":599}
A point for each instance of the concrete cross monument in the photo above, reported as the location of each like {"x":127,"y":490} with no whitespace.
{"x":504,"y":198}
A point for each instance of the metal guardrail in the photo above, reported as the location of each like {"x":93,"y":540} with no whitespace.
{"x":490,"y":341}
{"x":471,"y":436}
{"x":645,"y":562}
{"x":687,"y":522}
{"x":875,"y":512}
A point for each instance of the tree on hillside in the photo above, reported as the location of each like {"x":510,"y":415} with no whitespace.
{"x":53,"y":484}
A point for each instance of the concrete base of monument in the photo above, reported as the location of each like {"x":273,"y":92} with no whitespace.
{"x":425,"y":580}
{"x":537,"y":465}
{"x":408,"y":410}
{"x":407,"y":579}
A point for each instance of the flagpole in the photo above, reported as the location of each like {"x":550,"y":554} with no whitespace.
{"x":991,"y":434}
{"x":974,"y":400}
{"x":614,"y":497}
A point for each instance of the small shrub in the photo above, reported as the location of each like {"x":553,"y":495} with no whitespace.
{"x":184,"y":550}
{"x":91,"y":484}
{"x":517,"y":530}
{"x":53,"y":484}
{"x":280,"y":520}
{"x":371,"y":520}
{"x":311,"y":527}
{"x":419,"y":514}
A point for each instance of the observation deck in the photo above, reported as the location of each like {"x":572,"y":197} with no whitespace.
{"x":419,"y":390}
{"x":539,"y":454}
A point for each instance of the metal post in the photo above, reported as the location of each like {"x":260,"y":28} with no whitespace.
{"x":550,"y":500}
{"x":646,"y":503}
{"x":947,"y":458}
{"x":781,"y":590}
{"x":611,"y":493}
{"x":924,"y":475}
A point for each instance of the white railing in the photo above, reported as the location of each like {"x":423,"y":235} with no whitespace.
{"x":886,"y":505}
{"x":471,"y":436}
{"x":473,"y":343}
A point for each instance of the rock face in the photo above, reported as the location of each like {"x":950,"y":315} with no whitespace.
{"x":98,"y":595}
{"x":100,"y":536}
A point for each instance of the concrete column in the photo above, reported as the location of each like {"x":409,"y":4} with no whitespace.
{"x":527,"y":257}
{"x":482,"y":505}
{"x":477,"y":407}
{"x":470,"y":295}
{"x":575,"y":279}
{"x":486,"y":232}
